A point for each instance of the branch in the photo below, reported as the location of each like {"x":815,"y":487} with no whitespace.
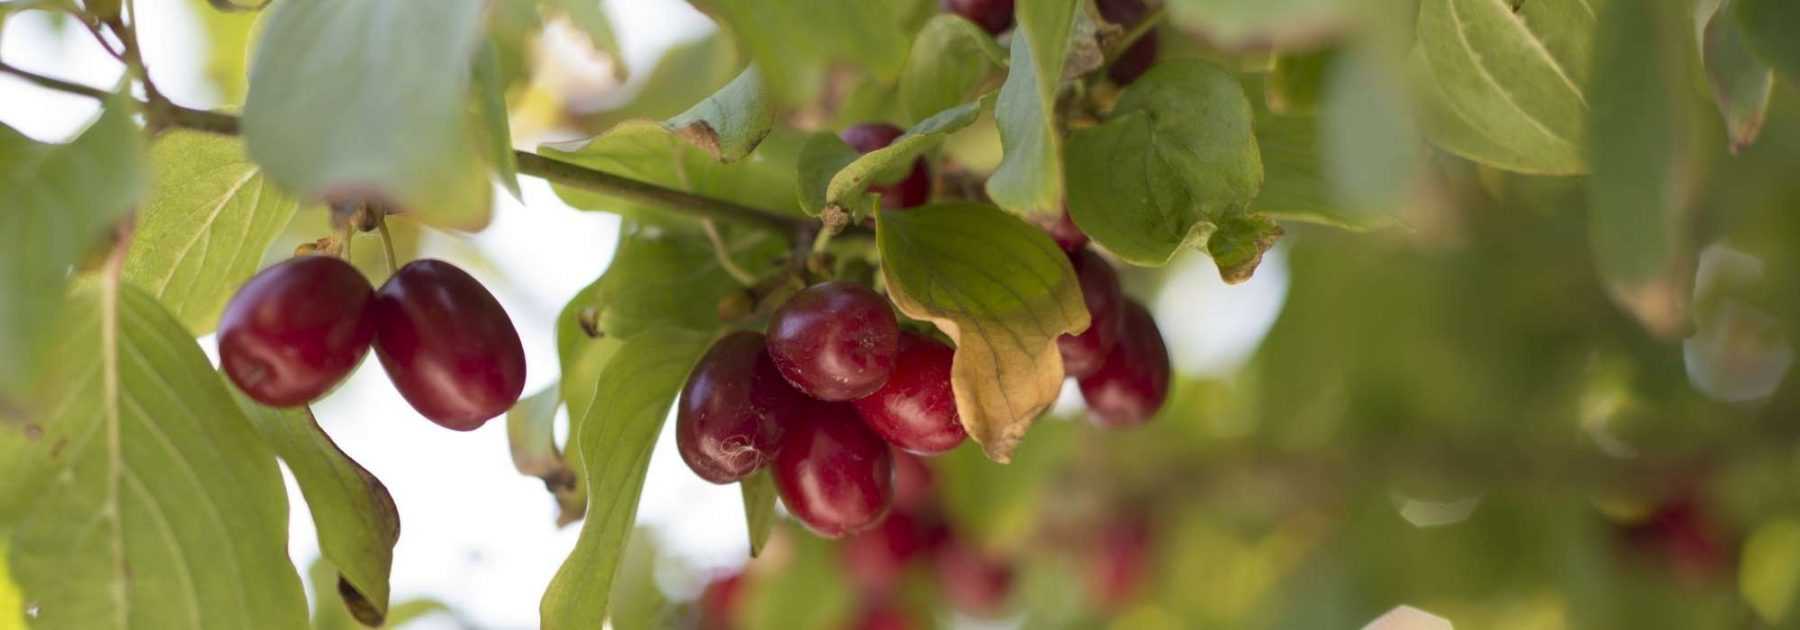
{"x":529,"y":163}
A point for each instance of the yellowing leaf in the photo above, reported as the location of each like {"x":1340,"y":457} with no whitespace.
{"x":1003,"y":291}
{"x":1769,"y":574}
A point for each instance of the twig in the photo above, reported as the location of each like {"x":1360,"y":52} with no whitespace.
{"x":723,"y":254}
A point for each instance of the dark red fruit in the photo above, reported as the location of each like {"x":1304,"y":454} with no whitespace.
{"x":833,"y":473}
{"x":1119,"y":560}
{"x":1123,"y":12}
{"x":915,"y":410}
{"x":994,"y":16}
{"x":1680,"y":534}
{"x":720,"y":600}
{"x":1082,"y":354}
{"x":975,"y":581}
{"x":1063,"y":230}
{"x":876,"y":559}
{"x":1132,"y":383}
{"x":914,"y":487}
{"x":835,"y":341}
{"x":1137,"y":59}
{"x":883,"y":617}
{"x":296,"y":329}
{"x":914,"y":189}
{"x":447,"y":345}
{"x":729,"y":420}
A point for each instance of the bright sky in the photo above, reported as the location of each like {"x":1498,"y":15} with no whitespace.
{"x":475,"y":532}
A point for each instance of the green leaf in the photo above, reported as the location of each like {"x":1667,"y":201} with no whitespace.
{"x":209,"y":218}
{"x":1296,"y":82}
{"x":227,"y":47}
{"x":810,"y":592}
{"x":1741,"y":82}
{"x":1513,"y":83}
{"x":998,"y":506}
{"x":1373,"y":150}
{"x":1030,"y":177}
{"x":328,"y":615}
{"x":490,"y":107}
{"x":657,"y":279}
{"x":148,"y":500}
{"x":648,"y":152}
{"x":531,"y":434}
{"x":1294,"y":187}
{"x":639,"y":385}
{"x":686,"y":73}
{"x":355,"y":516}
{"x":1768,"y":27}
{"x":60,"y":202}
{"x":844,"y":188}
{"x":951,"y":62}
{"x":730,"y":123}
{"x":590,"y":17}
{"x":639,"y":603}
{"x":1769,"y":573}
{"x":406,"y":75}
{"x":1183,"y":131}
{"x":800,"y":38}
{"x":759,"y":508}
{"x":1003,"y":292}
{"x":1260,"y":24}
{"x":1645,"y":161}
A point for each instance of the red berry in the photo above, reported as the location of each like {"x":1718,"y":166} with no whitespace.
{"x":876,"y":559}
{"x":729,"y":420}
{"x":1132,"y":383}
{"x":834,"y":474}
{"x":1123,"y":12}
{"x":296,"y":329}
{"x":975,"y":581}
{"x":1680,"y":534}
{"x":1135,"y":61}
{"x":835,"y":341}
{"x":1082,"y":354}
{"x":447,"y":345}
{"x":994,"y":16}
{"x":914,"y":189}
{"x":1063,"y":230}
{"x":914,"y":488}
{"x":720,"y":601}
{"x":1119,"y":561}
{"x":915,"y":410}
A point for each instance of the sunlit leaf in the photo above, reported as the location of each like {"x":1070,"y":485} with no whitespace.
{"x":329,"y":614}
{"x":490,"y":106}
{"x":1238,"y":24}
{"x":828,"y":181}
{"x":184,"y":512}
{"x":531,"y":434}
{"x":1030,"y":177}
{"x":203,"y":229}
{"x":406,"y":74}
{"x":802,"y":37}
{"x":730,"y":123}
{"x":1003,"y":291}
{"x":638,"y":603}
{"x":615,"y":439}
{"x":1769,"y":574}
{"x":1372,"y":147}
{"x":649,"y":152}
{"x":951,"y":62}
{"x":355,"y":516}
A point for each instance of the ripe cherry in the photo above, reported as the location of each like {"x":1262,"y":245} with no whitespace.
{"x":296,"y":329}
{"x":1083,"y":353}
{"x":1681,"y":535}
{"x":976,"y":582}
{"x":1132,"y":383}
{"x":1119,"y":559}
{"x":834,"y":474}
{"x":914,"y":189}
{"x":447,"y":345}
{"x":1137,"y":59}
{"x":729,"y":420}
{"x":915,"y":410}
{"x":720,"y":600}
{"x":994,"y":16}
{"x":835,"y":341}
{"x":1063,"y":230}
{"x":914,"y":487}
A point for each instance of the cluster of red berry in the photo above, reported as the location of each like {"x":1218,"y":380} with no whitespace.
{"x":296,"y":329}
{"x":995,"y":16}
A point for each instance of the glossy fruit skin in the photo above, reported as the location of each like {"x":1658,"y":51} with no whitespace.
{"x":834,"y":474}
{"x":1137,"y":59}
{"x":1082,"y":354}
{"x":914,"y":189}
{"x":994,"y":16}
{"x":447,"y":344}
{"x":296,"y":329}
{"x":835,"y":341}
{"x":729,"y":419}
{"x":1134,"y":380}
{"x":720,"y":600}
{"x":976,"y":582}
{"x":915,"y":489}
{"x":915,"y":409}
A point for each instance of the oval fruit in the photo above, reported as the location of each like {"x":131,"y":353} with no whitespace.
{"x":1133,"y":382}
{"x":1083,"y":353}
{"x":447,"y":344}
{"x":833,"y":474}
{"x":835,"y":341}
{"x":916,"y":409}
{"x":729,"y":419}
{"x":294,"y":330}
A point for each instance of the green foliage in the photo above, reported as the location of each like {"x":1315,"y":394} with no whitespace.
{"x":801,"y":37}
{"x":1740,"y":81}
{"x":183,"y":510}
{"x":1769,"y":573}
{"x":1001,"y":290}
{"x":329,"y":614}
{"x":730,"y":123}
{"x":640,"y":384}
{"x":759,"y":509}
{"x":649,"y":152}
{"x":834,"y":177}
{"x":1186,"y":128}
{"x":951,"y":62}
{"x":1030,"y":177}
{"x":1768,"y":30}
{"x":490,"y":106}
{"x":406,"y":73}
{"x":1237,"y":24}
{"x":203,"y":229}
{"x":355,"y":516}
{"x":61,"y":201}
